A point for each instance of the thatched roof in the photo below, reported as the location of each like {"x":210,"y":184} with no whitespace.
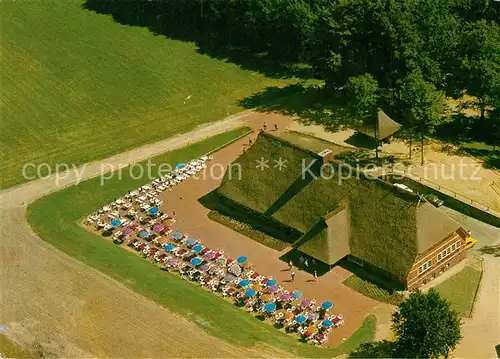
{"x":331,"y":244}
{"x":371,"y":220}
{"x":385,"y":126}
{"x":432,"y":226}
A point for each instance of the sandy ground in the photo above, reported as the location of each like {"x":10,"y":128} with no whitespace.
{"x":460,"y":174}
{"x":383,"y":313}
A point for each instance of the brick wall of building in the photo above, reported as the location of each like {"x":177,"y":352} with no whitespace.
{"x":416,"y":279}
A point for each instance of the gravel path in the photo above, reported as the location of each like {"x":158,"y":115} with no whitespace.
{"x":72,"y":310}
{"x":481,"y":332}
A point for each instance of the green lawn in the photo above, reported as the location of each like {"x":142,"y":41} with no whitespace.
{"x":55,"y":218}
{"x":461,"y":289}
{"x":77,"y":86}
{"x":372,"y":290}
{"x":248,"y":231}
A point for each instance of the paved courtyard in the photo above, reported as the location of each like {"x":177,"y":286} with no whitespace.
{"x":192,"y":218}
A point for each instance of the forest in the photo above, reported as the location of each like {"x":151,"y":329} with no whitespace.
{"x":408,"y":57}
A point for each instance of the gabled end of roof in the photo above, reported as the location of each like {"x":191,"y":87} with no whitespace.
{"x":433,"y":226}
{"x":385,"y":126}
{"x":331,"y":244}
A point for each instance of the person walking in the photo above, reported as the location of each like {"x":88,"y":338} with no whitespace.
{"x":315,"y":276}
{"x":275,"y":127}
{"x":264,"y":126}
{"x":292,"y":274}
{"x":290,"y":265}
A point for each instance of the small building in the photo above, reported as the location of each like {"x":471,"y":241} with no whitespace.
{"x":383,"y":127}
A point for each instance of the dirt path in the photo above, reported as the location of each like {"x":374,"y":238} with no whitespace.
{"x":460,"y":174}
{"x":35,"y":189}
{"x":73,"y":310}
{"x":481,"y":332}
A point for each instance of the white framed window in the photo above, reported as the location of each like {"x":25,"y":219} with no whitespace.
{"x":446,"y":252}
{"x":424,"y":267}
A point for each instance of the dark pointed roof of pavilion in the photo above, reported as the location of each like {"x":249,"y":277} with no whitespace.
{"x":386,"y":126}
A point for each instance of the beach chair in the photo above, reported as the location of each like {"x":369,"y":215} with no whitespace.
{"x":205,"y":281}
{"x":181,"y":253}
{"x":132,"y":242}
{"x":254,"y":275}
{"x":231,"y":291}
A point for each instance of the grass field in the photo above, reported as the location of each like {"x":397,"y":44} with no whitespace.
{"x":373,"y":291}
{"x":55,"y":218}
{"x":371,"y":284}
{"x":460,"y":290}
{"x":77,"y":86}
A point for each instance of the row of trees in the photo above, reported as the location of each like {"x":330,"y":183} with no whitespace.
{"x":404,"y":56}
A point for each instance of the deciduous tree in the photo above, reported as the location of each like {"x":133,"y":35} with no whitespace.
{"x":480,"y":67}
{"x":425,"y":327}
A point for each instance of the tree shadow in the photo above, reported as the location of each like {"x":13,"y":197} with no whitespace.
{"x":486,"y":154}
{"x":380,"y":349}
{"x":473,"y":136}
{"x":460,"y":128}
{"x":185,"y":22}
{"x":312,"y":104}
{"x":493,"y":250}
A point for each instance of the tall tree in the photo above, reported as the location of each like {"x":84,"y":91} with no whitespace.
{"x":481,"y":61}
{"x":362,"y":93}
{"x":362,"y":96}
{"x":421,"y":106}
{"x":425,"y":327}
